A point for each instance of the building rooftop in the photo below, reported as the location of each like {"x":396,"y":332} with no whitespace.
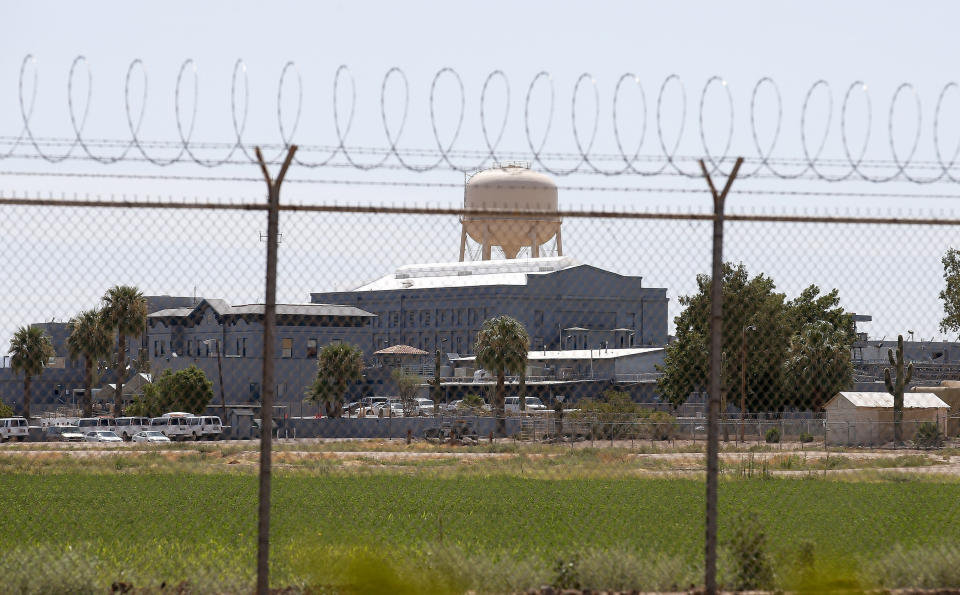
{"x":222,"y":308}
{"x":400,"y":350}
{"x":468,"y":274}
{"x":885,"y":400}
{"x":581,"y":354}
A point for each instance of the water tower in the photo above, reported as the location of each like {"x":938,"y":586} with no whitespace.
{"x":514,"y":187}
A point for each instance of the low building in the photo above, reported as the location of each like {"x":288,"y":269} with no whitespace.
{"x":866,"y":418}
{"x":949,"y":393}
{"x":181,"y":337}
{"x":574,"y":373}
{"x":61,"y":385}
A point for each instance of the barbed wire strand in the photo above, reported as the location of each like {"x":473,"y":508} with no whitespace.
{"x":851,"y":167}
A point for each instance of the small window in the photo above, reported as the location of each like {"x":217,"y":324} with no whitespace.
{"x":411,"y":319}
{"x":311,"y":348}
{"x":426,"y":318}
{"x":286,"y":347}
{"x":244,"y":347}
{"x":190,"y":347}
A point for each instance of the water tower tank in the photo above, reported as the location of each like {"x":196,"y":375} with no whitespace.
{"x":513,"y":187}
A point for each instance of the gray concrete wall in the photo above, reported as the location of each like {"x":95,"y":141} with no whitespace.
{"x":381,"y":427}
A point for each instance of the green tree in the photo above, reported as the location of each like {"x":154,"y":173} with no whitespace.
{"x":5,"y":410}
{"x":748,"y":303}
{"x":125,"y":311}
{"x":185,"y":390}
{"x":810,"y":306}
{"x":818,"y":365}
{"x":951,"y":292}
{"x":501,"y":347}
{"x":30,"y":349}
{"x":91,"y":339}
{"x":407,"y":387}
{"x":758,"y":326}
{"x":338,"y":364}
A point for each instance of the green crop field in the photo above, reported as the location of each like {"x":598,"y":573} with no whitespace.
{"x":498,"y":532}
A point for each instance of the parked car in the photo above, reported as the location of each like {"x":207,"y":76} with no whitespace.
{"x":150,"y":436}
{"x":423,"y":407}
{"x":392,"y":407}
{"x":13,"y":428}
{"x":512,"y":404}
{"x":126,"y":427}
{"x":102,"y":436}
{"x":454,"y":405}
{"x":369,"y":405}
{"x":63,"y":434}
{"x":204,"y":427}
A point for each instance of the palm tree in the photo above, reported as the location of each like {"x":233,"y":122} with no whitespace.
{"x":30,"y":349}
{"x":338,"y":364}
{"x":818,"y":364}
{"x":91,"y":339}
{"x":125,"y":311}
{"x":501,"y":347}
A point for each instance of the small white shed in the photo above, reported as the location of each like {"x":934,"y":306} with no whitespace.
{"x":866,"y":418}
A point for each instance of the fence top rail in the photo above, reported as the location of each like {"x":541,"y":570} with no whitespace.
{"x":463,"y":212}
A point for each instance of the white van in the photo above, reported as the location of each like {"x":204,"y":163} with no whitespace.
{"x":89,"y":424}
{"x":126,"y":427}
{"x":174,"y":427}
{"x":13,"y":428}
{"x":205,"y":427}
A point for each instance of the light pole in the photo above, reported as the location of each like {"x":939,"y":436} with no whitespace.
{"x":223,"y":398}
{"x":558,"y":409}
{"x":743,"y":377}
{"x":723,"y":396}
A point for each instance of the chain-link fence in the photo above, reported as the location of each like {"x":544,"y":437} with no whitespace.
{"x":468,"y":400}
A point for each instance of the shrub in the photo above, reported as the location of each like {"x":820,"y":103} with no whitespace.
{"x":617,"y":416}
{"x":566,"y":575}
{"x":928,"y":436}
{"x":662,"y":425}
{"x":5,"y":410}
{"x":806,"y":437}
{"x":772,"y":436}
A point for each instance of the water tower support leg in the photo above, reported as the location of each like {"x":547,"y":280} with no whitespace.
{"x":463,"y":243}
{"x":485,"y":254}
{"x":559,"y":243}
{"x":534,"y":245}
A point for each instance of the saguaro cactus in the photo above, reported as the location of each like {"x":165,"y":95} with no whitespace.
{"x":895,"y":388}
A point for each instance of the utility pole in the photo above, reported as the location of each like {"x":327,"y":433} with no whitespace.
{"x":269,"y":331}
{"x":743,"y":378}
{"x":716,"y":380}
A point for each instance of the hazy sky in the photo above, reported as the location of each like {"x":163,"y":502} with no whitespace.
{"x":58,"y":261}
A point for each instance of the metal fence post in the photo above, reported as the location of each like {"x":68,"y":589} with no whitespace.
{"x":716,"y":347}
{"x":266,"y":406}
